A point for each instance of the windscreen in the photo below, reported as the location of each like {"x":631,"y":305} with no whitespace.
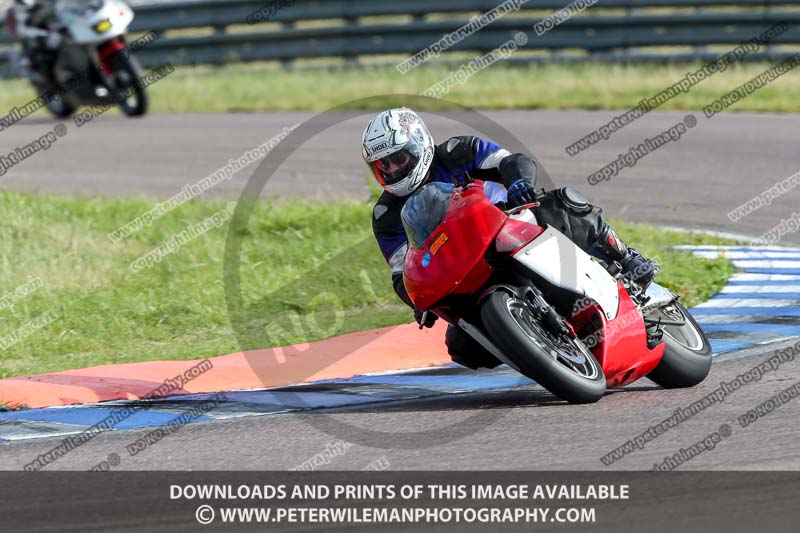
{"x":78,"y":7}
{"x":425,"y":210}
{"x":80,"y":4}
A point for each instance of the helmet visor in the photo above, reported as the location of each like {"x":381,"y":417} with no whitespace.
{"x":396,"y":167}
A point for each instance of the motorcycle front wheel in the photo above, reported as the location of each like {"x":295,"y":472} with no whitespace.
{"x":131,"y":94}
{"x":561,"y":364}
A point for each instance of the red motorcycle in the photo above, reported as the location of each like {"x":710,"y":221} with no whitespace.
{"x":540,"y":304}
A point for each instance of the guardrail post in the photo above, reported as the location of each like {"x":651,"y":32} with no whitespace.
{"x":772,"y":49}
{"x":628,"y":52}
{"x":287,"y":63}
{"x":351,"y":61}
{"x":699,"y":50}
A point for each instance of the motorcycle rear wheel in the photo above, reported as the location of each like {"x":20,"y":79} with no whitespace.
{"x":59,"y":107}
{"x":687,"y":354}
{"x":562,"y":365}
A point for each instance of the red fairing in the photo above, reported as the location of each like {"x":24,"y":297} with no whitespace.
{"x":11,"y":22}
{"x":452,"y":261}
{"x":106,"y":50}
{"x":622,"y":346}
{"x":457,"y":264}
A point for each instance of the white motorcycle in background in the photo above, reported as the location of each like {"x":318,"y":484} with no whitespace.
{"x":92,"y":65}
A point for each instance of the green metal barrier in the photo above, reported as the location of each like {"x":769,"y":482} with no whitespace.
{"x":610,"y":30}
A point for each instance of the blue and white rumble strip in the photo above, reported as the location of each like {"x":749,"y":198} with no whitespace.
{"x":760,"y":304}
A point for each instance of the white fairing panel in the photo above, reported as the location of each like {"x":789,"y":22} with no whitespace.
{"x":526,"y":215}
{"x":81,"y":18}
{"x":559,"y":261}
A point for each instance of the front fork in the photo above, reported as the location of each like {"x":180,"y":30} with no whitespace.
{"x":106,"y":50}
{"x":541,"y":309}
{"x":651,"y":298}
{"x":105,"y":68}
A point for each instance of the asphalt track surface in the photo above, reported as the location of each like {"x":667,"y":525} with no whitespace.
{"x":524,"y":428}
{"x":717,"y":166}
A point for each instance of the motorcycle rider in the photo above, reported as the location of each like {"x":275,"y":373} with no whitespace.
{"x":400,"y":151}
{"x":32,"y":26}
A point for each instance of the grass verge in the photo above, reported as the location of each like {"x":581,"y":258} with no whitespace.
{"x":99,"y":311}
{"x":549,"y":86}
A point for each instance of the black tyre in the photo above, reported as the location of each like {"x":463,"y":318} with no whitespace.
{"x":563,"y":366}
{"x":131,"y":94}
{"x":687,"y":355}
{"x":59,"y":107}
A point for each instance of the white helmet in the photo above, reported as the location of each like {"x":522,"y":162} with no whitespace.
{"x":398,"y":148}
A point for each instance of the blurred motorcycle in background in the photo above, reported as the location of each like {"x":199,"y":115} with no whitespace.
{"x":90,"y":65}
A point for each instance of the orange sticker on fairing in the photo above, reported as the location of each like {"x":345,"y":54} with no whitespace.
{"x":438,"y":242}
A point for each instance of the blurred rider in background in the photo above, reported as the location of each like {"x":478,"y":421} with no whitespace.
{"x":401,"y":153}
{"x":32,"y":23}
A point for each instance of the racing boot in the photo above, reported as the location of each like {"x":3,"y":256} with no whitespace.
{"x":466,"y":351}
{"x":635,"y":267}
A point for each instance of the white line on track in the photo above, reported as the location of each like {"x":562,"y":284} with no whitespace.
{"x":732,"y":289}
{"x":739,"y":302}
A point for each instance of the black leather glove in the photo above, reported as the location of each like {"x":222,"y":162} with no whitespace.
{"x":521,"y":192}
{"x":430,"y":318}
